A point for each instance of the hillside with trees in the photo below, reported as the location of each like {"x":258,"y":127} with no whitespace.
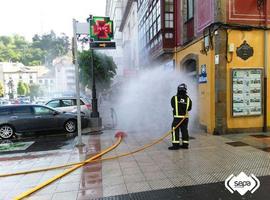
{"x":42,"y":50}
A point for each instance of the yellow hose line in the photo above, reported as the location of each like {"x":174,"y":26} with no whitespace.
{"x":38,"y":187}
{"x":102,"y":159}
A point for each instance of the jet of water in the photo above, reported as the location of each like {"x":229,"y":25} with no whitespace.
{"x":144,"y":102}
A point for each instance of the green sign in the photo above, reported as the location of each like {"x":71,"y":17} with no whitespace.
{"x":101,"y":29}
{"x":16,"y":146}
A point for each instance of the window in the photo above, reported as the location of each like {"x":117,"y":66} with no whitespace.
{"x":67,"y":102}
{"x":169,"y":11}
{"x":168,"y":5}
{"x":39,"y":110}
{"x":31,"y":81}
{"x":54,"y":104}
{"x":22,"y":110}
{"x":40,"y":81}
{"x":4,"y":111}
{"x":168,"y":35}
{"x":158,"y":24}
{"x":190,"y":9}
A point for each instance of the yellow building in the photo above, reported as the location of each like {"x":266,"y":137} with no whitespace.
{"x":221,"y":108}
{"x":231,"y":60}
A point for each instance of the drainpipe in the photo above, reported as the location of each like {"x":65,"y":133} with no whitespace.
{"x":265,"y":69}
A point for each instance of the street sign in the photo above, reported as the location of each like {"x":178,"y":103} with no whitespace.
{"x":102,"y":45}
{"x":101,"y":28}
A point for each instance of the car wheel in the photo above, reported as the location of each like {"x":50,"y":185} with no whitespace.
{"x":70,"y":126}
{"x":6,"y":132}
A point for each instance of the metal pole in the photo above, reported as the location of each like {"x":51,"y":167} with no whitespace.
{"x":78,"y":101}
{"x":94,"y":113}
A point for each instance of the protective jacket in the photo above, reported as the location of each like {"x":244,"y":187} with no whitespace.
{"x":181,"y":104}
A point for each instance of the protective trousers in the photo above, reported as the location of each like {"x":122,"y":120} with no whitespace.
{"x":184,"y":132}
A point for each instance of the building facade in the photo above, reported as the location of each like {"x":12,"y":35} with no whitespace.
{"x":65,"y":83}
{"x":129,"y":29}
{"x":13,"y":73}
{"x":114,"y":10}
{"x":157,"y":24}
{"x":224,"y":46}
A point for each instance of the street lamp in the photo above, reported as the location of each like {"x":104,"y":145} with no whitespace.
{"x":95,"y":120}
{"x":94,"y":112}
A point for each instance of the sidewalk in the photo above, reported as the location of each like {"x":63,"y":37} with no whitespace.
{"x":209,"y":160}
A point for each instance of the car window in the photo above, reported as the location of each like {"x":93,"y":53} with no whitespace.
{"x":82,"y":103}
{"x":4,"y":111}
{"x":39,"y":110}
{"x":75,"y":102}
{"x":54,"y":104}
{"x":21,"y":110}
{"x":67,"y":102}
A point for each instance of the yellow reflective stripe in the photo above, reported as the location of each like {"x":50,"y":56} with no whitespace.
{"x":187,"y":105}
{"x":181,"y":116}
{"x":176,"y":105}
{"x":173,"y":134}
{"x":173,"y":137}
{"x":184,"y":141}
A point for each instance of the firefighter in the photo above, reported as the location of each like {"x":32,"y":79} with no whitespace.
{"x":181,"y":104}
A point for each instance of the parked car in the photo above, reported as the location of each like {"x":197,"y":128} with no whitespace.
{"x":4,"y":102}
{"x":68,"y":104}
{"x":34,"y":118}
{"x":41,"y":100}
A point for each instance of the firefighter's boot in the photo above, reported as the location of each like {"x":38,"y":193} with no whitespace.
{"x":184,"y":146}
{"x":174,"y":147}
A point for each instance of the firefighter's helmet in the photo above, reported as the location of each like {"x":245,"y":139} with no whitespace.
{"x":182,"y":87}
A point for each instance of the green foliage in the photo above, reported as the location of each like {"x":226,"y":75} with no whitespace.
{"x":1,"y":89}
{"x":42,"y":50}
{"x":35,"y":91}
{"x":53,"y":46}
{"x":21,"y":89}
{"x":27,"y":89}
{"x":104,"y":69}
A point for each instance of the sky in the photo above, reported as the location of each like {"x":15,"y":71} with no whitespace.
{"x":30,"y":17}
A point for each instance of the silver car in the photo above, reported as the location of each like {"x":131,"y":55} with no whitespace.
{"x":69,"y":104}
{"x":35,"y":118}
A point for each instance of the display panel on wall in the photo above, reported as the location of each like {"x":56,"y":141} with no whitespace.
{"x":246,"y":92}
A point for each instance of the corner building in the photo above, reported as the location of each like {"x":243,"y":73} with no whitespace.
{"x":225,"y":46}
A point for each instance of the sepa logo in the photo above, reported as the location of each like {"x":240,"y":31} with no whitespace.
{"x":242,"y":183}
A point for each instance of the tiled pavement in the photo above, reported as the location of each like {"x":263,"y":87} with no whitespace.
{"x":209,"y":160}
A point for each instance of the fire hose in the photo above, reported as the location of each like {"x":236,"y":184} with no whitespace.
{"x":77,"y":165}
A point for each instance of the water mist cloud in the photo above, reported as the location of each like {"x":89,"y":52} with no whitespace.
{"x":144,"y":102}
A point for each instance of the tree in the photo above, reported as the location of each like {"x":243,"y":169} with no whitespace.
{"x":21,"y":90}
{"x":104,"y":69}
{"x":35,"y":91}
{"x":42,"y":49}
{"x":52,"y":45}
{"x":27,"y":89}
{"x":1,"y":89}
